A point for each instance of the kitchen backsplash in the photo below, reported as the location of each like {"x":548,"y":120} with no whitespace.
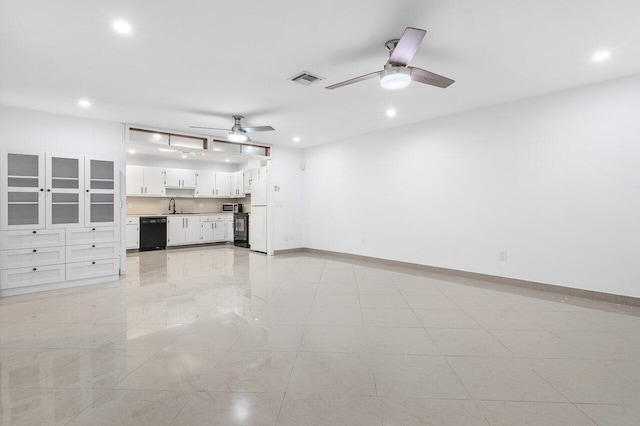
{"x":153,"y":205}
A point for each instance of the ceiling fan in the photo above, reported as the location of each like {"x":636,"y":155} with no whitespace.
{"x":396,"y":73}
{"x":238,"y":133}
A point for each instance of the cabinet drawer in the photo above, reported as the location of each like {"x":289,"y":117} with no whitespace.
{"x":86,"y":252}
{"x":133,"y":221}
{"x":23,"y":258}
{"x":96,"y":268}
{"x":206,"y":219}
{"x":24,"y":277}
{"x":102,"y":234}
{"x":220,"y":217}
{"x":31,"y":239}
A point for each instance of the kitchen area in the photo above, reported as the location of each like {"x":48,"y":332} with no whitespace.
{"x":188,"y":190}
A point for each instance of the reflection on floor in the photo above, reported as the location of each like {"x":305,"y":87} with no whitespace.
{"x":220,"y":335}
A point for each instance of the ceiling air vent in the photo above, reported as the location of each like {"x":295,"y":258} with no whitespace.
{"x":305,"y":78}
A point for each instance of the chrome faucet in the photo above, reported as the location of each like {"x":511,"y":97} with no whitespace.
{"x":174,"y":205}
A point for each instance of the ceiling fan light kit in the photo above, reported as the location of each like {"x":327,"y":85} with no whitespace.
{"x":238,"y":132}
{"x":396,"y":73}
{"x":393,"y":78}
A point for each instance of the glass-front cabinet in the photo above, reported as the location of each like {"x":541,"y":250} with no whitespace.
{"x":22,"y":191}
{"x":64,"y":195}
{"x":101,"y":183}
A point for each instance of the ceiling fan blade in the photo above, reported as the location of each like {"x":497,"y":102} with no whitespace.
{"x":258,"y":129}
{"x":208,"y":128}
{"x":427,"y":77}
{"x":407,"y":46}
{"x":354,"y":80}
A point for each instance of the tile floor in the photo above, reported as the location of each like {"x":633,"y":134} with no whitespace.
{"x":219,"y":335}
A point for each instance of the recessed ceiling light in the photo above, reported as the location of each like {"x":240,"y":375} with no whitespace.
{"x":601,"y":56}
{"x":296,"y":139}
{"x":122,"y":27}
{"x":391,"y":112}
{"x":84,"y":103}
{"x":132,"y":151}
{"x":226,"y":160}
{"x":183,"y":156}
{"x":156,"y":136}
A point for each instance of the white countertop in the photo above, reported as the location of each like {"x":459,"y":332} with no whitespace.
{"x":177,"y":214}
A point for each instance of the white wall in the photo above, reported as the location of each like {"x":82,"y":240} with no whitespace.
{"x":34,"y":131}
{"x":286,"y":174}
{"x":553,"y":180}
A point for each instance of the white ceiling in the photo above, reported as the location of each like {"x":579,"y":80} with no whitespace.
{"x":197,"y":62}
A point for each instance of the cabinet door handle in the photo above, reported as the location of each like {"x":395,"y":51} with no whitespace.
{"x":93,"y":246}
{"x":145,"y":189}
{"x":41,"y":189}
{"x":34,"y":250}
{"x":93,"y":229}
{"x":49,"y":190}
{"x":93,"y":263}
{"x":35,"y":269}
{"x":142,"y":189}
{"x":34,"y":232}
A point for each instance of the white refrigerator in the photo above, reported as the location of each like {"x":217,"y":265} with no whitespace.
{"x":258,"y":216}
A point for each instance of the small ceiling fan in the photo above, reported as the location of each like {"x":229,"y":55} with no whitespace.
{"x":238,"y":133}
{"x":396,"y":73}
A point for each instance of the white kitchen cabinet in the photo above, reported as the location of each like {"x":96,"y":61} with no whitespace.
{"x":223,"y":184}
{"x":206,"y":184}
{"x":229,"y":228}
{"x":183,"y":230}
{"x":192,"y":230}
{"x":22,"y":258}
{"x":180,"y":178}
{"x":86,"y":252}
{"x":22,"y":191}
{"x":147,"y":181}
{"x":175,"y":230}
{"x":101,"y":183}
{"x":206,"y":229}
{"x":36,"y":275}
{"x":237,"y":184}
{"x":64,"y":198}
{"x":92,"y":269}
{"x":10,"y":240}
{"x":219,"y":230}
{"x":133,"y":233}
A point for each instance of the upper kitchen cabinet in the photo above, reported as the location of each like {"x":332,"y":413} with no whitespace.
{"x":101,"y":183}
{"x":223,"y":184}
{"x":237,"y":184}
{"x":22,"y":191}
{"x":147,"y":181}
{"x":180,"y":178}
{"x":64,"y":198}
{"x":206,"y":184}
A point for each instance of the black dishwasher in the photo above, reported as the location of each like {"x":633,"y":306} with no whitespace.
{"x":153,"y":233}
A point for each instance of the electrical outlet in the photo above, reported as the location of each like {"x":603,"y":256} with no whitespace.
{"x":130,"y":205}
{"x":503,"y":256}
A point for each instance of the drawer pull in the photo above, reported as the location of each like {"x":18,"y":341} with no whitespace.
{"x":35,"y":269}
{"x":34,"y":250}
{"x":93,"y":263}
{"x":34,"y":232}
{"x":93,"y":229}
{"x":93,"y":246}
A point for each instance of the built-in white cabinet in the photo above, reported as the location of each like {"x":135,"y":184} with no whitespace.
{"x":57,"y":210}
{"x":101,"y":187}
{"x":229,"y":229}
{"x":183,"y":230}
{"x":145,"y":181}
{"x":64,"y":199}
{"x":180,"y":178}
{"x":249,"y":176}
{"x":133,"y":233}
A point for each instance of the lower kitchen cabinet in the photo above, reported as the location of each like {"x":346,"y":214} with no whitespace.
{"x":133,"y":233}
{"x":183,"y":230}
{"x":92,"y":269}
